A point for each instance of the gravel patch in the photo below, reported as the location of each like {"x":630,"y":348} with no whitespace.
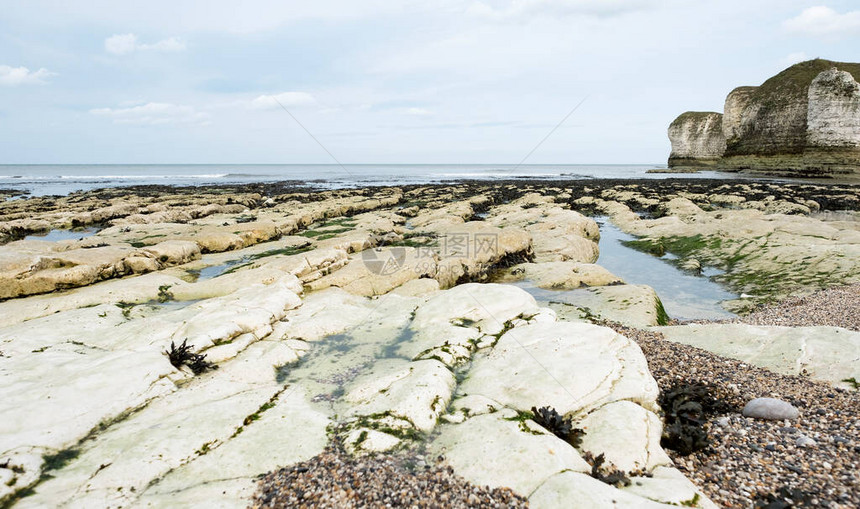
{"x":836,"y":307}
{"x":811,"y":461}
{"x":333,"y":479}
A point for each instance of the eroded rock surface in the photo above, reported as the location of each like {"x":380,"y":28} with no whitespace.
{"x":350,"y":316}
{"x":378,"y":373}
{"x":697,"y":139}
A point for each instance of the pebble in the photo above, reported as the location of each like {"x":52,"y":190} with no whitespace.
{"x":805,"y":441}
{"x":770,"y":408}
{"x":835,"y":307}
{"x":737,"y":471}
{"x":333,"y":479}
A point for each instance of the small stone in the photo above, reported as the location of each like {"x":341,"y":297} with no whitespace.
{"x":723,"y":421}
{"x":770,"y":408}
{"x":805,"y":441}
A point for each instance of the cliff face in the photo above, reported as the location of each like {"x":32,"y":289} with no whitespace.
{"x":733,"y":112}
{"x":833,"y":119}
{"x":803,"y":121}
{"x":697,"y":139}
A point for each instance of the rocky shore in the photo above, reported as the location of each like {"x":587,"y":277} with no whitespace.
{"x":810,"y":461}
{"x":334,"y":479}
{"x":271,"y":345}
{"x":833,"y":307}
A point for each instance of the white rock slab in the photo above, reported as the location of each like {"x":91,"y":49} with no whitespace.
{"x":490,"y":450}
{"x":172,"y":431}
{"x":572,"y":367}
{"x":226,"y":476}
{"x":418,"y":392}
{"x":562,"y":489}
{"x":626,"y":434}
{"x":831,"y":354}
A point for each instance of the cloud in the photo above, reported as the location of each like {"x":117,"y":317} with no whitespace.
{"x":417,"y":112}
{"x":12,"y":76}
{"x":122,"y":44}
{"x":526,"y":9}
{"x":287,"y":99}
{"x":824,"y":21}
{"x":154,"y":114}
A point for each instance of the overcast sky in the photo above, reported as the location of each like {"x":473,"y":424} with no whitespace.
{"x":444,"y":81}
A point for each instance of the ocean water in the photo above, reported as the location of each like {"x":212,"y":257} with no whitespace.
{"x":40,"y":180}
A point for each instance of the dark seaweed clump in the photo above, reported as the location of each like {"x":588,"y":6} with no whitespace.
{"x":611,"y":476}
{"x":182,"y":355}
{"x":558,"y":425}
{"x":686,"y":407}
{"x":784,"y":498}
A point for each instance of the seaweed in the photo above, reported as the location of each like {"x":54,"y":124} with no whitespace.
{"x":60,"y":459}
{"x":686,"y":407}
{"x":286,"y":251}
{"x":126,"y":308}
{"x":245,"y":218}
{"x":693,"y":502}
{"x":182,"y":355}
{"x":15,"y":468}
{"x":783,"y":498}
{"x":164,"y":293}
{"x":608,"y":475}
{"x":558,"y":425}
{"x":684,"y":438}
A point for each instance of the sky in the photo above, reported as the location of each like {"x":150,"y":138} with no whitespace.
{"x":371,"y":81}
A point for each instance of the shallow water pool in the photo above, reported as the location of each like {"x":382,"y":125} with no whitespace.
{"x":684,"y":295}
{"x":57,"y":235}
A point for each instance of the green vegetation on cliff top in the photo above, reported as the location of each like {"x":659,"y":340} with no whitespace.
{"x":777,"y":98}
{"x":693,"y":115}
{"x":793,"y":83}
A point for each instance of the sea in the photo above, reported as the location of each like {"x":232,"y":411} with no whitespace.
{"x":62,"y":179}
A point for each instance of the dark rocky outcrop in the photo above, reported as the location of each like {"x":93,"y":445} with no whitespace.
{"x":803,"y":121}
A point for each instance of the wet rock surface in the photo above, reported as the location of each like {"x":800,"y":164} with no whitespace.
{"x":371,"y":319}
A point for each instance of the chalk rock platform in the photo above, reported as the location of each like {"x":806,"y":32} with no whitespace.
{"x":108,"y":421}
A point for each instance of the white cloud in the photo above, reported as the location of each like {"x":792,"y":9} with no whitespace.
{"x":154,"y":114}
{"x":12,"y":76}
{"x":287,"y":99}
{"x":522,"y":10}
{"x":122,"y":44}
{"x":824,"y":21}
{"x":418,"y":112}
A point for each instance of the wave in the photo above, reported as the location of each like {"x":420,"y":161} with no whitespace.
{"x":501,"y":173}
{"x":247,"y":175}
{"x":209,"y":176}
{"x":140,"y":177}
